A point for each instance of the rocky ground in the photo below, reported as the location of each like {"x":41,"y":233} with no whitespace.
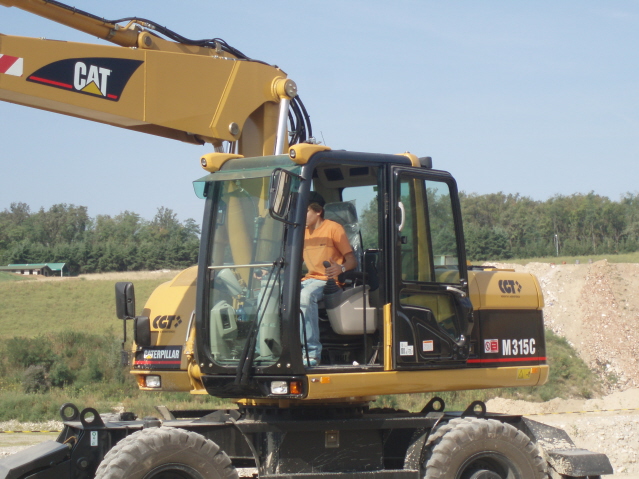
{"x":12,"y":441}
{"x":595,"y":307}
{"x":609,"y":424}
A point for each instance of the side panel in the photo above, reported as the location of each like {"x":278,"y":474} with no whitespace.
{"x":509,"y":338}
{"x":504,"y":289}
{"x":169,"y":309}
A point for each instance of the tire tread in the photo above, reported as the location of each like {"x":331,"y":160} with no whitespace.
{"x":448,"y":439}
{"x":127,"y":453}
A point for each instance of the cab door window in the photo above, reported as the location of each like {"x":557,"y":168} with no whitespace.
{"x":429,"y":313}
{"x":427,"y":232}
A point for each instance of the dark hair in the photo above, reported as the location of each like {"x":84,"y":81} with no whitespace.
{"x":315,"y":197}
{"x":317,"y":208}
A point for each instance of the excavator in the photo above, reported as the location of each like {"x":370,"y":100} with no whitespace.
{"x":412,"y":317}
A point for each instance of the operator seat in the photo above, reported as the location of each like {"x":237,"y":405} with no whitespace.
{"x":342,"y":328}
{"x":345,"y":213}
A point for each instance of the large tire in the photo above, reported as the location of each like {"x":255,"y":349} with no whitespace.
{"x":482,"y":449}
{"x":166,"y":453}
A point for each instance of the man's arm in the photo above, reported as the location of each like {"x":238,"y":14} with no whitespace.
{"x":349,"y":261}
{"x":340,"y":240}
{"x":335,"y":269}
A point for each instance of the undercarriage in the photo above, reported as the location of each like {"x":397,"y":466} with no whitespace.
{"x":305,"y":441}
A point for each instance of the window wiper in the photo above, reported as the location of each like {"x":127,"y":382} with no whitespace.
{"x":248,"y":353}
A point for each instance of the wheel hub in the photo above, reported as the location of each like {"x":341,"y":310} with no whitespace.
{"x":485,"y":474}
{"x":173,"y":471}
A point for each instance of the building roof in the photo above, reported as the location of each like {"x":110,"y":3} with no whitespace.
{"x":56,"y":266}
{"x":51,"y":266}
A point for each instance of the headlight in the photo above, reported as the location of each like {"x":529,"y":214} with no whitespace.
{"x":153,"y":381}
{"x":279,"y":387}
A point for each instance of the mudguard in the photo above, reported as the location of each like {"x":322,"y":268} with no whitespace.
{"x":563,"y":457}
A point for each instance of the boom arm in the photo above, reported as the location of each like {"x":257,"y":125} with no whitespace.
{"x":185,"y":91}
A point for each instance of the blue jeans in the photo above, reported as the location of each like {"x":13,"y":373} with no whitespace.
{"x":312,"y":292}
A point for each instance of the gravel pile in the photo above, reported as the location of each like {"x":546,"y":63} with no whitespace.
{"x":612,"y":429}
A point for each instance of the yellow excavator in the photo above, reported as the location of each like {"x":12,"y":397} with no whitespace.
{"x":412,"y":317}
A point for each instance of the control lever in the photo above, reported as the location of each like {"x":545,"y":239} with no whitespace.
{"x":340,"y":277}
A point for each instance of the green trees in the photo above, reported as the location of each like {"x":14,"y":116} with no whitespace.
{"x":501,"y":226}
{"x":497,"y":226}
{"x":66,"y":234}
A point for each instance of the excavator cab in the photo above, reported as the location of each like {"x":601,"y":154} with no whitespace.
{"x":405,"y":307}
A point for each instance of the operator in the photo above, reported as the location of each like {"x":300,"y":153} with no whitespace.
{"x":324,"y":240}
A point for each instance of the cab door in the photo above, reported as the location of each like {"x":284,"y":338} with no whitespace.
{"x":431,"y":311}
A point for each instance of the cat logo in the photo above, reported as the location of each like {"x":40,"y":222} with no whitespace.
{"x":166,"y":322}
{"x":91,"y":79}
{"x":508,"y":286}
{"x":98,"y":77}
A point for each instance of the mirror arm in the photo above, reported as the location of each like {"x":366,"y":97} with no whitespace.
{"x":282,"y":220}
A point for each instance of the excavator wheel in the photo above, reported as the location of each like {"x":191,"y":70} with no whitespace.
{"x":166,"y":453}
{"x":473,"y":448}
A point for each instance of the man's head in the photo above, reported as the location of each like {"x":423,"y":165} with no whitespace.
{"x":315,"y":197}
{"x":314,"y":215}
{"x":315,"y":210}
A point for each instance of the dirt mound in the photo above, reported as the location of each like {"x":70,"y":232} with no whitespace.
{"x":594,"y":307}
{"x":626,"y":400}
{"x":609,"y":424}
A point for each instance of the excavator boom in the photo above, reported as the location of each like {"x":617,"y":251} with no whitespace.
{"x":195,"y":92}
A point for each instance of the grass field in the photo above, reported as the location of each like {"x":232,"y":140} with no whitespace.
{"x":5,"y":277}
{"x":29,"y":308}
{"x":72,"y":321}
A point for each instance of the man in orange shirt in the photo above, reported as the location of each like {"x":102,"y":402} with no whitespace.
{"x":324,"y":240}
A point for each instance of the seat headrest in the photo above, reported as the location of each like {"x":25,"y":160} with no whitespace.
{"x":343,"y":213}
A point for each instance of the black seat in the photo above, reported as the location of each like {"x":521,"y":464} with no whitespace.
{"x":345,"y":213}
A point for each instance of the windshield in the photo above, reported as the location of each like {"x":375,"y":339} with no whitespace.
{"x":244,"y":294}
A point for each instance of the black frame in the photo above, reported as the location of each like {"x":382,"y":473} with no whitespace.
{"x":456,"y":354}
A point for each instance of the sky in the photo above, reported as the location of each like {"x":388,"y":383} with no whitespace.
{"x":537,"y":98}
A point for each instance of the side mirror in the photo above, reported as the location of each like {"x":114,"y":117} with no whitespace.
{"x":124,"y":300}
{"x":279,"y":203}
{"x":142,"y":331}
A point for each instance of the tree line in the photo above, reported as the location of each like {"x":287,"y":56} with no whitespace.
{"x":497,"y":226}
{"x":126,"y":242}
{"x":503,"y":226}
